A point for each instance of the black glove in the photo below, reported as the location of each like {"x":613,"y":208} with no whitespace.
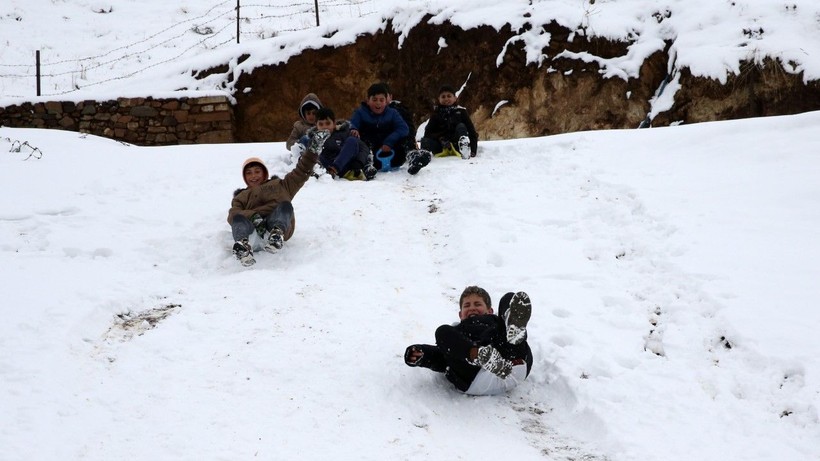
{"x":408,"y":358}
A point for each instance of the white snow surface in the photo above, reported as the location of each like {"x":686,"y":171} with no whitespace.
{"x":107,"y":49}
{"x":673,"y":273}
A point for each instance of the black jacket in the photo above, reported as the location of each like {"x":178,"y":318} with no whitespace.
{"x":443,"y":122}
{"x":482,"y":330}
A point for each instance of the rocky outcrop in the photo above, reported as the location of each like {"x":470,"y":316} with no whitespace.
{"x":508,"y":95}
{"x":511,"y":98}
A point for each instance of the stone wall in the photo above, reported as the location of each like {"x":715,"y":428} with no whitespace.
{"x":141,"y":121}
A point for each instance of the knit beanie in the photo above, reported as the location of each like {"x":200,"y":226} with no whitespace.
{"x":255,"y":161}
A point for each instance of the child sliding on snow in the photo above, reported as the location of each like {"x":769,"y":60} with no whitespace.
{"x":449,"y":130}
{"x":265,"y":205}
{"x":484,"y":354}
{"x":343,"y":155}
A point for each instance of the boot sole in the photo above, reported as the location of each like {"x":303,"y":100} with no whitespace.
{"x":517,"y":317}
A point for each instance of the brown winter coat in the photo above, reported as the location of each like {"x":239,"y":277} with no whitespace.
{"x":265,"y":197}
{"x":300,"y":127}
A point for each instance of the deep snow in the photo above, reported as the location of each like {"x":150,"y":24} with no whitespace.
{"x":673,"y":271}
{"x":697,"y":243}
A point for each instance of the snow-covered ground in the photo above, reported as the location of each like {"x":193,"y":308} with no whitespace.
{"x":673,"y":273}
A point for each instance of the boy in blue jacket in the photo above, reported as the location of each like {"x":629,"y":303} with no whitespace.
{"x":381,"y":128}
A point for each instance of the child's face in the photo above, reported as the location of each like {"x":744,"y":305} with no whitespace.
{"x":254,"y":175}
{"x":473,"y":305}
{"x":326,"y":125}
{"x":447,"y":99}
{"x":377,"y":103}
{"x":310,"y":116}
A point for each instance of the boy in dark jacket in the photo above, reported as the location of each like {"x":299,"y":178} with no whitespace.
{"x":484,"y":354}
{"x":342,"y":155}
{"x":450,"y":128}
{"x":381,"y":128}
{"x":416,"y":158}
{"x":265,"y":205}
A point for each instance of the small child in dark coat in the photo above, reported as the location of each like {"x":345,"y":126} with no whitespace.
{"x":343,"y":155}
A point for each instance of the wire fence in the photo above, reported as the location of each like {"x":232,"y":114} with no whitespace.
{"x":225,"y":22}
{"x":23,"y":147}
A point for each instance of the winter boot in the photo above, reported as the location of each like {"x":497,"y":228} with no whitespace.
{"x":354,"y":175}
{"x":418,"y":159}
{"x":516,"y":317}
{"x":275,"y":240}
{"x":370,"y":171}
{"x":464,"y":147}
{"x":316,"y":140}
{"x":491,"y":360}
{"x":243,"y":252}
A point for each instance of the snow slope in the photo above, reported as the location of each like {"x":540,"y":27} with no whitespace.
{"x":673,"y":274}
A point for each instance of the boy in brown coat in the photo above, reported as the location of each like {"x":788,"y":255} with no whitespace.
{"x":307,"y":120}
{"x":265,"y":205}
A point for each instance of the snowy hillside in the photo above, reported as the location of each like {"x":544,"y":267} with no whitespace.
{"x":673,"y":274}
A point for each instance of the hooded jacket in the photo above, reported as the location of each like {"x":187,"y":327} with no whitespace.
{"x":264,"y":198}
{"x":301,"y":126}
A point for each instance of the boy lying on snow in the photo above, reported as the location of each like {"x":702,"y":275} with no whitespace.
{"x":484,"y":354}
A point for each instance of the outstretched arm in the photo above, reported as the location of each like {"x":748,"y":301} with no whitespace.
{"x":425,"y":355}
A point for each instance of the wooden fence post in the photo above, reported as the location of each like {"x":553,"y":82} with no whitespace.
{"x":38,"y":71}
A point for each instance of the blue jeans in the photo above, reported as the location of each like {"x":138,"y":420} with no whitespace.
{"x":281,"y":217}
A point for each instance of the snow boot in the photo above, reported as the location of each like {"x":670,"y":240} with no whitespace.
{"x":464,"y":147}
{"x":317,"y":140}
{"x":275,"y":240}
{"x":243,"y":252}
{"x":370,"y":172}
{"x":418,"y":159}
{"x":491,"y":360}
{"x":516,"y":317}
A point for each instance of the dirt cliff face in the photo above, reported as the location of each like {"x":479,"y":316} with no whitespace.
{"x":510,"y":99}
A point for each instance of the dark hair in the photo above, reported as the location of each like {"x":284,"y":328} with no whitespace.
{"x":325,"y":113}
{"x":446,"y":88}
{"x":475,"y":290}
{"x":377,"y":88}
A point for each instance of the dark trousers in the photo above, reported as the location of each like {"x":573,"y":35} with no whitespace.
{"x":455,"y":346}
{"x":351,"y":157}
{"x":281,"y":217}
{"x":435,"y":145}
